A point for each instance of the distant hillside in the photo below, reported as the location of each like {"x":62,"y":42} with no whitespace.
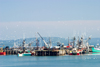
{"x":54,"y":40}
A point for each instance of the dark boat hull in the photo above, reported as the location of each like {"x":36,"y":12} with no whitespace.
{"x":74,"y":54}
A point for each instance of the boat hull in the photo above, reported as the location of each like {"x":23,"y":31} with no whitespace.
{"x":2,"y":53}
{"x":95,"y":50}
{"x":74,"y":54}
{"x":24,"y":54}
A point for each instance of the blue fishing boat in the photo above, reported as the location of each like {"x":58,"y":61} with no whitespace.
{"x":95,"y":49}
{"x":26,"y":53}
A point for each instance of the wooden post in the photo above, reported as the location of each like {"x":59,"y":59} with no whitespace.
{"x":7,"y":51}
{"x":45,"y":53}
{"x":16,"y":51}
{"x":13,"y":51}
{"x":10,"y":52}
{"x":49,"y":52}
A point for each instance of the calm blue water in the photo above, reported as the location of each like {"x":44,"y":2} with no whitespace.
{"x":50,"y":61}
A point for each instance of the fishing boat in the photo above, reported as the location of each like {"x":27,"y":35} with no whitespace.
{"x":74,"y":52}
{"x":96,"y":49}
{"x":2,"y":52}
{"x":25,"y":53}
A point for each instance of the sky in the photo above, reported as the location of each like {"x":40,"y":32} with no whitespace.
{"x":51,"y":18}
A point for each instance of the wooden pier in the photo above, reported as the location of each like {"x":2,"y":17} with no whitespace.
{"x":39,"y":52}
{"x":49,"y":52}
{"x":11,"y":52}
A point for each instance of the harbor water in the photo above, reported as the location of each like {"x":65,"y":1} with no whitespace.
{"x":90,"y":60}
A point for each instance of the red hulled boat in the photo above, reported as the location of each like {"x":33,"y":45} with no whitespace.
{"x":2,"y":52}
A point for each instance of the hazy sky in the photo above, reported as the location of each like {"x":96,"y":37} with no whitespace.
{"x":52,"y":18}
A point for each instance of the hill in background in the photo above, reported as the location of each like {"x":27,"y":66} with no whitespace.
{"x":54,"y":41}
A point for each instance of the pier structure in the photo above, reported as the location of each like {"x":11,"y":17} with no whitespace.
{"x":49,"y":52}
{"x":11,"y":52}
{"x":39,"y":52}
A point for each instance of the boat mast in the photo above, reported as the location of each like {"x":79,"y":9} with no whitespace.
{"x":37,"y":42}
{"x":78,"y":42}
{"x":74,"y":41}
{"x":68,"y":41}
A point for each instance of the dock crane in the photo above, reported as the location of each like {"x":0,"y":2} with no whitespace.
{"x":43,"y":40}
